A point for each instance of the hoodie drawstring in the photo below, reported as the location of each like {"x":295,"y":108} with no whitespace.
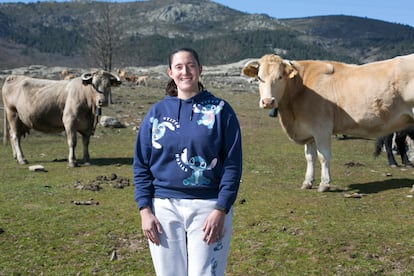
{"x":192,"y":109}
{"x":179,"y":110}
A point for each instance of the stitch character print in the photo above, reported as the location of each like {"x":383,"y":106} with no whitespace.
{"x":158,"y":131}
{"x":209,"y":112}
{"x":198,"y":165}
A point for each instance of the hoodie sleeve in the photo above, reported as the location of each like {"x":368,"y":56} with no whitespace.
{"x":232,"y":161}
{"x":143,"y":187}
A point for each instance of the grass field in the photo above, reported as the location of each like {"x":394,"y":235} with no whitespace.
{"x":278,"y":228}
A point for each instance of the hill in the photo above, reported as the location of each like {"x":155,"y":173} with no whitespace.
{"x":58,"y":34}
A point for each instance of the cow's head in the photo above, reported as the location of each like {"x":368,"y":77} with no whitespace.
{"x":101,"y":81}
{"x":272,"y":72}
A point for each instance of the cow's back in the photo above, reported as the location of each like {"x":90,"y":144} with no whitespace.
{"x":39,"y":103}
{"x":369,"y":100}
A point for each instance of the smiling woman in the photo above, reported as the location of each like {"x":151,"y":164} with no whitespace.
{"x":187,"y":169}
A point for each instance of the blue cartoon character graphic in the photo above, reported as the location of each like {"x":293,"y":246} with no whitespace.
{"x":158,"y":131}
{"x":198,"y":165}
{"x":209,"y":112}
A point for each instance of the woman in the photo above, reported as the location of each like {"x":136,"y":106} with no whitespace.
{"x":187,"y":168}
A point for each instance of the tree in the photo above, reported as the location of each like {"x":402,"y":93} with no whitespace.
{"x":102,"y":36}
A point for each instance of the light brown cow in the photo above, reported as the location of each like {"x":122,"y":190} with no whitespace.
{"x":142,"y":80}
{"x":65,"y":75}
{"x":131,"y":78}
{"x":316,"y":99}
{"x":54,"y":106}
{"x":121,"y":74}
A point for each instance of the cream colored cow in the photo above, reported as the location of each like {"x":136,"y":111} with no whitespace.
{"x":54,"y":106}
{"x":316,"y":99}
{"x":142,"y":80}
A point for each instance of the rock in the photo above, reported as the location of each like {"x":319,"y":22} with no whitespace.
{"x":37,"y":168}
{"x":114,"y":255}
{"x":353,"y":195}
{"x":108,"y":121}
{"x":85,"y":202}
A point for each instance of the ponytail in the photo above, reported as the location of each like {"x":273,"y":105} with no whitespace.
{"x":171,"y":88}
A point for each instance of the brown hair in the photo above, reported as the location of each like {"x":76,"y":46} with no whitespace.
{"x":171,"y":88}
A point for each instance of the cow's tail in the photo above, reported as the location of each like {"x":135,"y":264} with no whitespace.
{"x":379,"y":143}
{"x":5,"y":128}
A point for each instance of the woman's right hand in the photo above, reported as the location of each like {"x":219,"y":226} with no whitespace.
{"x":150,"y":225}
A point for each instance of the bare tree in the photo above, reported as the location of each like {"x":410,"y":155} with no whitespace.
{"x":103,"y":38}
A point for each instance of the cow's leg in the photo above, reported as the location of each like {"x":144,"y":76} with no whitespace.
{"x":310,"y":155}
{"x":15,"y":137}
{"x":388,"y":150}
{"x":323,"y":146}
{"x":85,"y":142}
{"x":17,"y":150}
{"x":110,"y":98}
{"x":72,"y":140}
{"x":409,"y":141}
{"x":400,"y":138}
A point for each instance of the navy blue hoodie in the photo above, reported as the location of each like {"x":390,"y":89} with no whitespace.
{"x":189,"y":149}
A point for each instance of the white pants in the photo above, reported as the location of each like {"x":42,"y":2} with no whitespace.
{"x":182,"y":250}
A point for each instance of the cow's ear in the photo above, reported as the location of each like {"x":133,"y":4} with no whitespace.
{"x":251,"y":69}
{"x":292,"y":73}
{"x":290,"y":70}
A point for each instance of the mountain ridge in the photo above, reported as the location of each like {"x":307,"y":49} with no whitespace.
{"x":55,"y":34}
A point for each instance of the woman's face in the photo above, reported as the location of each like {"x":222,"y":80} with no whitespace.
{"x":185,"y":71}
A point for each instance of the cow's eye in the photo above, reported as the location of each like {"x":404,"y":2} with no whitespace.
{"x":260,"y":79}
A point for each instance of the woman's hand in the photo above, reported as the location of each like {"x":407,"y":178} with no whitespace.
{"x":214,"y":226}
{"x":150,"y":225}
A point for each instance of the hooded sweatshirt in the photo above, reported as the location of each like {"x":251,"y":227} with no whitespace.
{"x":188,"y":149}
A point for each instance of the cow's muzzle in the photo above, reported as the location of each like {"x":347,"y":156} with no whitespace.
{"x":102,"y":102}
{"x":268,"y":103}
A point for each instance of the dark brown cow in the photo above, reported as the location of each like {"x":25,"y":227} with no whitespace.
{"x":54,"y":106}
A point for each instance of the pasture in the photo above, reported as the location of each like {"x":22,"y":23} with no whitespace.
{"x":49,"y":226}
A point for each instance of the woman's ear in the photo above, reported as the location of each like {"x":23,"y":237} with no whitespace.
{"x":200,"y":69}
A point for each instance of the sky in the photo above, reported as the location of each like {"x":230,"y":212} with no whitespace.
{"x":394,"y":11}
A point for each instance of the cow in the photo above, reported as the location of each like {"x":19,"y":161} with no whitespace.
{"x":65,"y":75}
{"x":400,"y":138}
{"x":54,"y":106}
{"x":142,"y":80}
{"x":121,"y":73}
{"x":316,"y":99}
{"x":131,"y":78}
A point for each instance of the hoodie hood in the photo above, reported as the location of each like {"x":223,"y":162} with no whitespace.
{"x":188,"y":103}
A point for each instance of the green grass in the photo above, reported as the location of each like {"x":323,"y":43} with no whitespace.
{"x":279,"y":229}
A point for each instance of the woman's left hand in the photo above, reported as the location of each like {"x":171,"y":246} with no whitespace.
{"x":213,"y":226}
